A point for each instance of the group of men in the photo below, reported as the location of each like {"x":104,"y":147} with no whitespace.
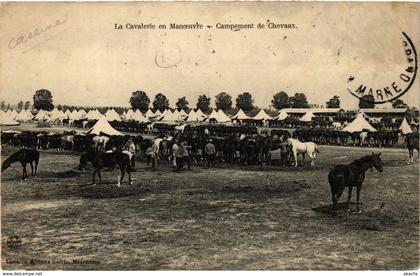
{"x":181,"y":155}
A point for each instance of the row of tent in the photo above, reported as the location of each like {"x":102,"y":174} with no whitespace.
{"x":12,"y":117}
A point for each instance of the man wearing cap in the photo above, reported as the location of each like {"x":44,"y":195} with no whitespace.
{"x":210,"y":152}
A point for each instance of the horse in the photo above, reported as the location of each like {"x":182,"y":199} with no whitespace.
{"x":412,"y":141}
{"x":99,"y":142}
{"x":351,"y":175}
{"x":298,"y":147}
{"x":24,"y":156}
{"x":100,"y":160}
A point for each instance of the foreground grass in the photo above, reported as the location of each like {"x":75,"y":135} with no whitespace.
{"x":227,"y":217}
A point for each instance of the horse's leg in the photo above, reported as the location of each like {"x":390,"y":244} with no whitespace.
{"x":359,"y":188}
{"x":349,"y":198}
{"x":93,"y":177}
{"x":100,"y":177}
{"x":129,"y":177}
{"x":32,"y":168}
{"x":24,"y":173}
{"x":36,"y":165}
{"x":122,"y":170}
{"x":295,"y":155}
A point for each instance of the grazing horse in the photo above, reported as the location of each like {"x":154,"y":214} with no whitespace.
{"x":298,"y":147}
{"x":101,"y":160}
{"x":412,"y":140}
{"x":24,"y":156}
{"x":351,"y":175}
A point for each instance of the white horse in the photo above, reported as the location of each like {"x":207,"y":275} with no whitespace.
{"x":299,"y":147}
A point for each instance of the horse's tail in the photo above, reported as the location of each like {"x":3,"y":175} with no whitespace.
{"x":317,"y":149}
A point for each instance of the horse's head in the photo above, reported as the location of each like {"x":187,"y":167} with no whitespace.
{"x":5,"y":165}
{"x":377,"y":162}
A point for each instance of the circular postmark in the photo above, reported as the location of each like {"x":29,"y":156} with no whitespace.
{"x":393,"y":88}
{"x":168,"y":56}
{"x":14,"y":242}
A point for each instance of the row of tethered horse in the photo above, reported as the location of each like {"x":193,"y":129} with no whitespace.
{"x":243,"y":146}
{"x":251,"y":147}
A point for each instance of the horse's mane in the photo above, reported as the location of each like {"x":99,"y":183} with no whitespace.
{"x":364,"y":159}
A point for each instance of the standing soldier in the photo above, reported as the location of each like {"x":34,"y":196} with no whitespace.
{"x":210,"y":152}
{"x":187,"y":151}
{"x":179,"y":158}
{"x":130,"y":149}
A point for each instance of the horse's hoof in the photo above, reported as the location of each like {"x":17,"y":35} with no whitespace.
{"x":348,"y":210}
{"x":359,"y":211}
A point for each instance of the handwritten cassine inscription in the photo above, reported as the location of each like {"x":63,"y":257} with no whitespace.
{"x":37,"y":32}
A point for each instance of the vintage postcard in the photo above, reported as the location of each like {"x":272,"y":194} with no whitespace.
{"x":209,"y":136}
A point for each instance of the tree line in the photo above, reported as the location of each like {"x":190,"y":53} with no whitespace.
{"x":43,"y":100}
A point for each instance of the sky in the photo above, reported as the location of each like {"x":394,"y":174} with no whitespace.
{"x":75,"y":51}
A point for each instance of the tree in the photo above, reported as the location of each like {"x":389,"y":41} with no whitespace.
{"x":398,"y":103}
{"x":161,"y":102}
{"x":245,"y":101}
{"x":299,"y":101}
{"x":367,"y":101}
{"x":280,"y":100}
{"x":224,"y":101}
{"x":203,"y":103}
{"x":139,"y":100}
{"x":20,"y":105}
{"x":334,"y":102}
{"x":43,"y":100}
{"x":27,"y":104}
{"x":3,"y":105}
{"x":182,"y":103}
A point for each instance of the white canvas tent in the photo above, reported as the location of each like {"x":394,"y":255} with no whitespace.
{"x":219,"y":116}
{"x":129,"y":115}
{"x":149,"y":113}
{"x":240,"y":115}
{"x":307,"y":117}
{"x":93,"y":115}
{"x":405,"y":127}
{"x":194,"y":117}
{"x":103,"y":127}
{"x":200,"y":113}
{"x":42,"y":115}
{"x":24,"y":116}
{"x":139,"y":117}
{"x":12,"y":113}
{"x":112,"y":115}
{"x":359,"y":124}
{"x":183,"y":113}
{"x":6,"y":119}
{"x":171,"y":117}
{"x":282,"y":116}
{"x":262,"y":115}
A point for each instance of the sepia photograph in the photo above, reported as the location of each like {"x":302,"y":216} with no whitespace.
{"x":228,"y":136}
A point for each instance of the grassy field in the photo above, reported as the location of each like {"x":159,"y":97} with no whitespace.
{"x":228,"y":217}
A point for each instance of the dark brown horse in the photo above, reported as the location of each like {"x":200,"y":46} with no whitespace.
{"x":412,"y":141}
{"x":24,"y":156}
{"x":101,"y":160}
{"x":350,"y":176}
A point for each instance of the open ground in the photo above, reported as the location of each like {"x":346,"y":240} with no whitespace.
{"x":228,"y":217}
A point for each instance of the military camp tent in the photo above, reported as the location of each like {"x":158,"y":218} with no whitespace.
{"x":102,"y":127}
{"x":359,"y":124}
{"x":6,"y":119}
{"x":405,"y":127}
{"x":240,"y":115}
{"x":307,"y":117}
{"x":262,"y":115}
{"x":282,"y":115}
